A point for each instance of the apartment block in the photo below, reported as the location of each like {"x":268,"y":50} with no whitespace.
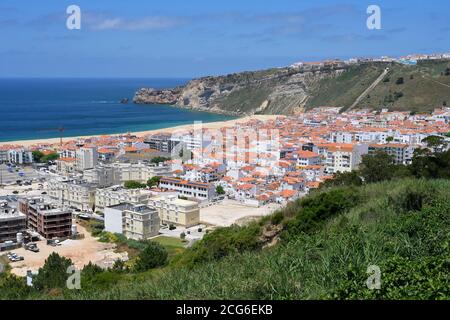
{"x":340,"y":157}
{"x":86,"y":158}
{"x":402,"y":153}
{"x":135,"y":221}
{"x":176,"y":211}
{"x":115,"y":195}
{"x":199,"y":190}
{"x":161,"y":142}
{"x":78,"y":194}
{"x":47,"y":219}
{"x":20,"y":156}
{"x":12,"y":221}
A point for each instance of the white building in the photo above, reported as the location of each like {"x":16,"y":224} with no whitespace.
{"x":20,"y":156}
{"x":117,"y":194}
{"x":135,"y":221}
{"x":86,"y":158}
{"x":190,"y":189}
{"x":172,"y":210}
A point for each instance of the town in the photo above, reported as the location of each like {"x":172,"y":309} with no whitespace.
{"x":184,"y":184}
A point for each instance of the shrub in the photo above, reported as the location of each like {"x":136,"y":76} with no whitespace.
{"x":53,"y":274}
{"x":314,"y":210}
{"x":131,"y":184}
{"x":222,"y":242}
{"x":277,"y":218}
{"x":182,"y":236}
{"x":154,"y":255}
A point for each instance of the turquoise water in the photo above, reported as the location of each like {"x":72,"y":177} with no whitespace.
{"x":36,"y":108}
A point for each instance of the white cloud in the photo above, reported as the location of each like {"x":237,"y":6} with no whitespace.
{"x":101,"y":22}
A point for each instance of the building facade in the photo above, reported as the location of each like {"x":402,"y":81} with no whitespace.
{"x":12,"y":221}
{"x":172,"y":210}
{"x":135,"y":221}
{"x":47,"y":219}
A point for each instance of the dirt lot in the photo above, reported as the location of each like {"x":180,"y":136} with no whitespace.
{"x":229,"y":212}
{"x":79,"y":251}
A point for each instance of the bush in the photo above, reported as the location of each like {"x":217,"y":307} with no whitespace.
{"x":314,"y":210}
{"x":182,"y":236}
{"x":131,"y":184}
{"x":53,"y":274}
{"x":222,"y":242}
{"x":154,"y":255}
{"x":277,"y":218}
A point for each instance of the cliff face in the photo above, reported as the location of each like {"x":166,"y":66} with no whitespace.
{"x":274,"y":91}
{"x":293,"y":90}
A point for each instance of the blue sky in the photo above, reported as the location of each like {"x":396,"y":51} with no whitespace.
{"x":191,"y":38}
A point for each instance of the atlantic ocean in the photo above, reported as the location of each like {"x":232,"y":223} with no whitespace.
{"x":37,"y":108}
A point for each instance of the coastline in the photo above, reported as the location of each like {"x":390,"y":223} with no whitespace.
{"x":208,"y":125}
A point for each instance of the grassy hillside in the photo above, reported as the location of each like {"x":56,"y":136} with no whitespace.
{"x":346,"y":88}
{"x":327,"y":242}
{"x":418,"y":88}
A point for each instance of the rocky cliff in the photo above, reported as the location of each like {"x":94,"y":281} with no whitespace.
{"x":292,"y":90}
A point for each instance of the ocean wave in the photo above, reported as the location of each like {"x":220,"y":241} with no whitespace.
{"x":103,"y":102}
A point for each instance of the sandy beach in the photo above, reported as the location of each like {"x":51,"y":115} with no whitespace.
{"x":209,"y":125}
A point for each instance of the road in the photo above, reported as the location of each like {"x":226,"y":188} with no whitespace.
{"x":369,"y":89}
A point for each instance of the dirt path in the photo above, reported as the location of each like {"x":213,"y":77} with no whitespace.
{"x":369,"y":89}
{"x":79,"y":251}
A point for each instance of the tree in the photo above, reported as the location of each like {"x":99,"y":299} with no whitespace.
{"x":53,"y":273}
{"x":50,"y":157}
{"x":220,"y":190}
{"x":37,"y":155}
{"x":154,"y":255}
{"x":344,"y":179}
{"x":154,"y":181}
{"x":159,"y":159}
{"x":131,"y":184}
{"x":40,"y":157}
{"x":435,"y":143}
{"x":389,"y":139}
{"x":377,"y":167}
{"x":400,"y":81}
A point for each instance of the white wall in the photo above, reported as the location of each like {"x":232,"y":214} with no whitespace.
{"x":113,"y":220}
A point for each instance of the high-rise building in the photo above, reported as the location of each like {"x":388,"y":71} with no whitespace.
{"x":86,"y":158}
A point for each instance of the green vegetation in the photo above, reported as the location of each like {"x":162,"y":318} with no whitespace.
{"x":94,"y":227}
{"x":154,"y":255}
{"x":153,"y":182}
{"x":418,"y":88}
{"x":159,"y":159}
{"x":131,"y":184}
{"x":219,"y":190}
{"x":40,"y":157}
